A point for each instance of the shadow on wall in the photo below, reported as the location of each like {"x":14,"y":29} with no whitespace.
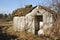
{"x":5,"y":36}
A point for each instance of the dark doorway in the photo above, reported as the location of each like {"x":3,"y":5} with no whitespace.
{"x":38,"y":19}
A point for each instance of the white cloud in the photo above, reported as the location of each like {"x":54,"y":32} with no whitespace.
{"x":4,"y":10}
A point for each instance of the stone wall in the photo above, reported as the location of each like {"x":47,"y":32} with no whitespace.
{"x":19,"y":23}
{"x":27,"y":22}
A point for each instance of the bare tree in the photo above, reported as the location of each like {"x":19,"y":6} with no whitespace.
{"x":56,"y":5}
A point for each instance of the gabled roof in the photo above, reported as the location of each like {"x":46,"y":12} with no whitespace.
{"x":24,"y":11}
{"x":47,"y":9}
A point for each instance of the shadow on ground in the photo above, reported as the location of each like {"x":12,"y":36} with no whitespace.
{"x":6,"y":36}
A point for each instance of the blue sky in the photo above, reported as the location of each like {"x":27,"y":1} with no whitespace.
{"x":7,"y":6}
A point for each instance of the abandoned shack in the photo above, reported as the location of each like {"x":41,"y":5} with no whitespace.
{"x":35,"y":19}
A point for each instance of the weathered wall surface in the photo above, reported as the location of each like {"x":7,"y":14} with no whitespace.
{"x":19,"y":23}
{"x":27,"y":22}
{"x":47,"y":21}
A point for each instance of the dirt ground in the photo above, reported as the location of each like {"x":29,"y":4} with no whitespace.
{"x":7,"y":33}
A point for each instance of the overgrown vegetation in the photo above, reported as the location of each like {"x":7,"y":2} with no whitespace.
{"x":53,"y":34}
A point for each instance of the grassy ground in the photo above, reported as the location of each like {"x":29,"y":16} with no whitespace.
{"x":7,"y":33}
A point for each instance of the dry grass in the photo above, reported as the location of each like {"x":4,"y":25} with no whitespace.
{"x":53,"y":34}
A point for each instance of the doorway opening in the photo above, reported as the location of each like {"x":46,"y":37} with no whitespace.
{"x":38,"y":19}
